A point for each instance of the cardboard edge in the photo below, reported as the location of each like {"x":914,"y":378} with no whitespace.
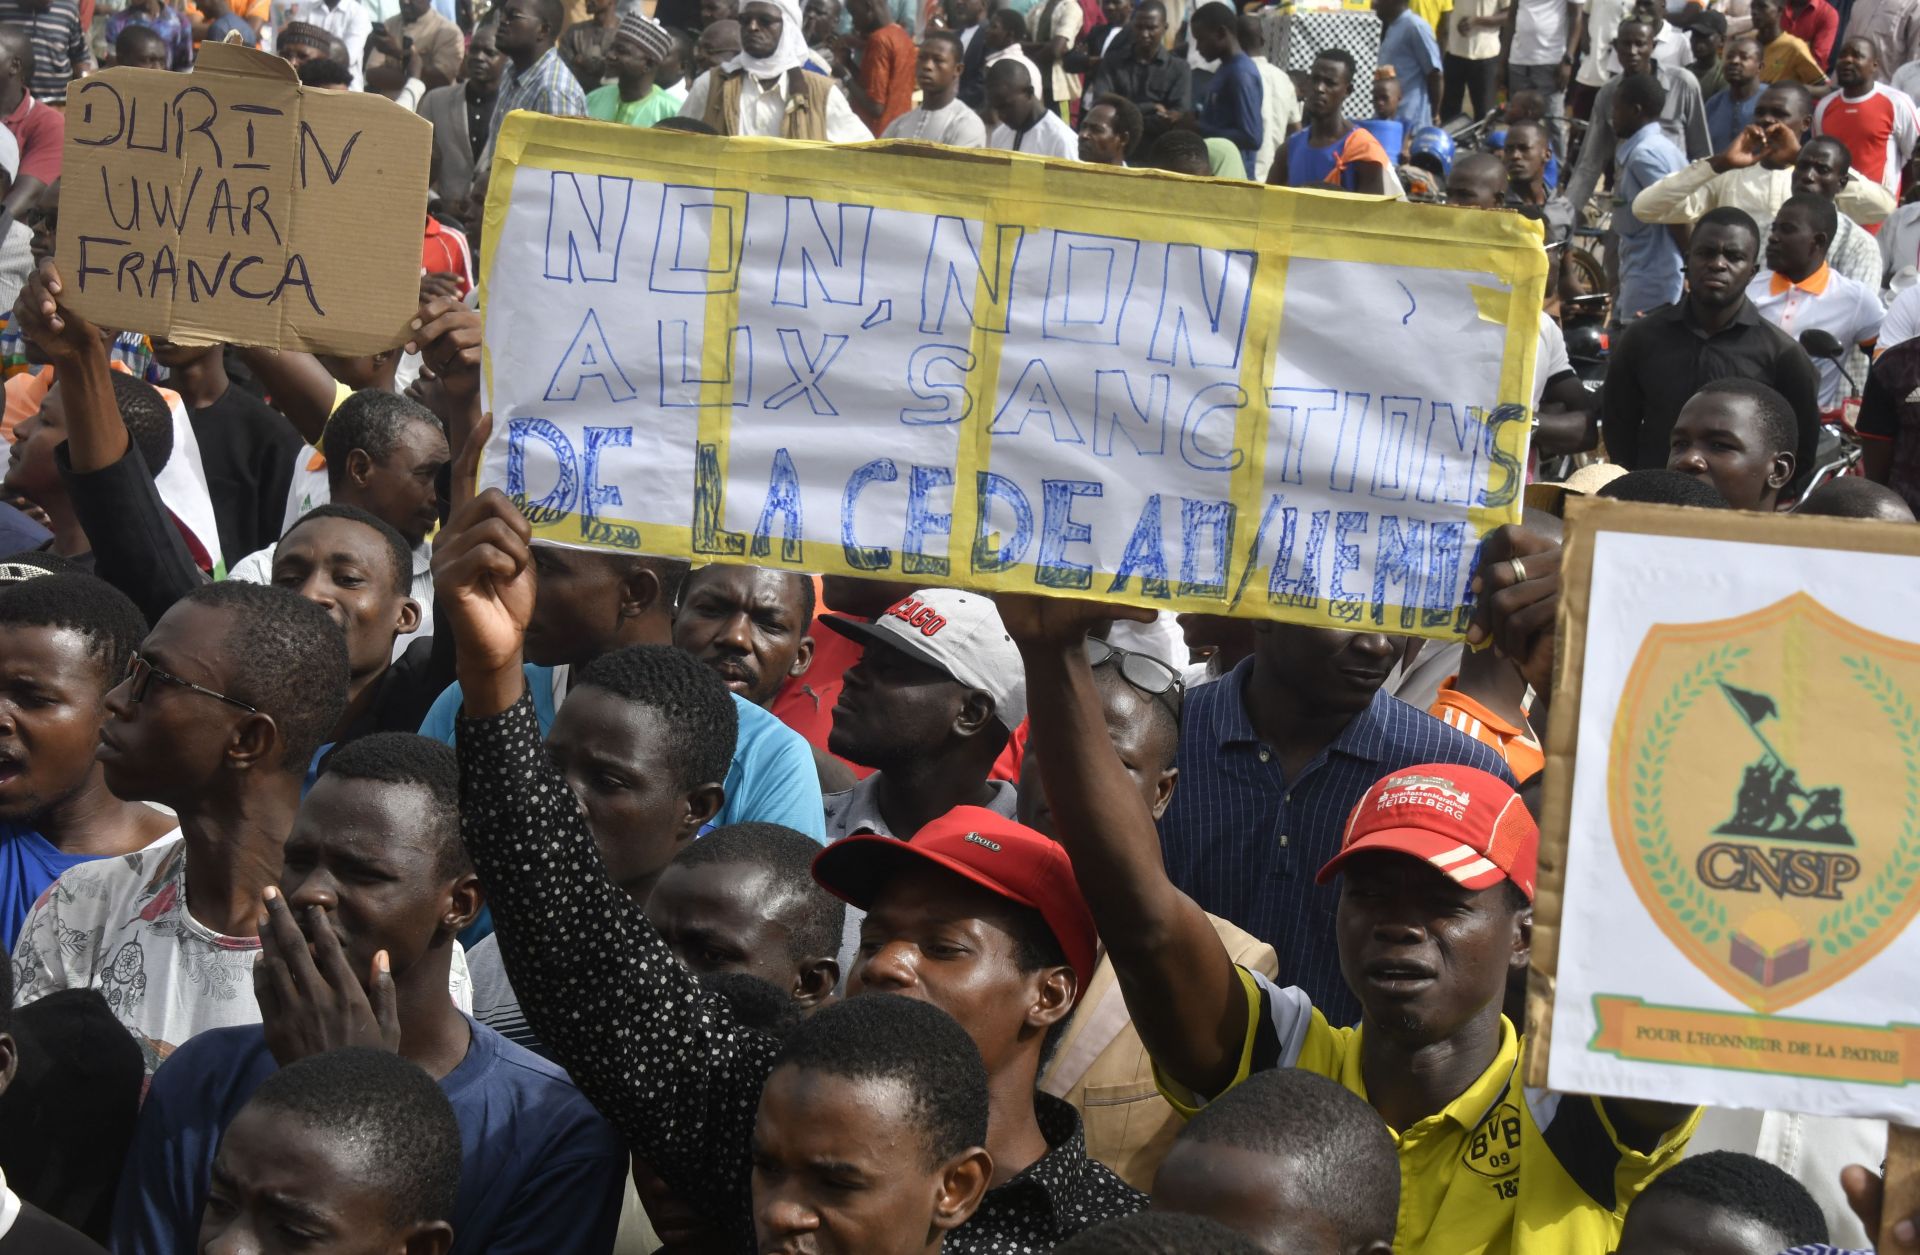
{"x":1586,"y":519}
{"x":236,"y":61}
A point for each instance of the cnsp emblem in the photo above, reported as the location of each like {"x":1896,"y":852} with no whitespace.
{"x":1764,"y":785}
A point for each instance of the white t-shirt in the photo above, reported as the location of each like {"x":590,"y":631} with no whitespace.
{"x":1279,"y":110}
{"x":1672,"y":49}
{"x":956,"y":126}
{"x":1049,"y":137}
{"x":1902,"y":322}
{"x":1539,"y":33}
{"x":120,"y":925}
{"x":1550,"y":358}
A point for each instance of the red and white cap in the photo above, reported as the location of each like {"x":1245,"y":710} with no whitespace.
{"x":1465,"y":822}
{"x":958,"y":634}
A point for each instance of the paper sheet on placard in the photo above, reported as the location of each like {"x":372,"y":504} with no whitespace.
{"x":1743,"y":834}
{"x":987,"y":370}
{"x":232,"y":205}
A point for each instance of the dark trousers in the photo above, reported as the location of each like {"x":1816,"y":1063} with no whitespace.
{"x":1463,"y":78}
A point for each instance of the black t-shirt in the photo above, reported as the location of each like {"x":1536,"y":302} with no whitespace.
{"x":248,"y":450}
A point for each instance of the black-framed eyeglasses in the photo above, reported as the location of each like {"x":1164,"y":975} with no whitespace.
{"x":1148,"y":674}
{"x":143,"y":673}
{"x":759,"y":19}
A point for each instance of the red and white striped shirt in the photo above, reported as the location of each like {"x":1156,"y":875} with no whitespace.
{"x":1879,"y":130}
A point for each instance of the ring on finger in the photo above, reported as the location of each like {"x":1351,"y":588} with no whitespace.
{"x":1518,"y":570}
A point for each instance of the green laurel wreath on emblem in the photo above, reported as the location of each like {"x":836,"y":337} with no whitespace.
{"x":1855,"y":921}
{"x":1704,"y":917}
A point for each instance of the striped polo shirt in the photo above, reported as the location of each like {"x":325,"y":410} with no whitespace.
{"x":59,"y":44}
{"x":1245,"y":842}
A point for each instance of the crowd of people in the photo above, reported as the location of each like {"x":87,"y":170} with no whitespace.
{"x":379,"y":880}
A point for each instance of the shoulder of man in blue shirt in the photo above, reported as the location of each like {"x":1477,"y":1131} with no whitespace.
{"x":522,"y":1121}
{"x":1215,"y":714}
{"x":772,"y":779}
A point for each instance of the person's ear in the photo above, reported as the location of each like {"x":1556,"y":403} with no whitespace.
{"x":802,"y":658}
{"x":641,"y":594}
{"x":359,"y":466}
{"x":703,"y":803}
{"x":976,"y":712}
{"x":409,"y":621}
{"x":814,"y":983}
{"x":433,"y":1238}
{"x":963,"y":1183}
{"x":9,"y":1060}
{"x":1522,"y":956}
{"x":1163,"y":791}
{"x":254,"y":738}
{"x":1780,"y":470}
{"x":465,"y":899}
{"x":1053,"y":994}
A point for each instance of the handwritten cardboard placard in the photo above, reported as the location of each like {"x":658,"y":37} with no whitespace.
{"x":1731,"y":838}
{"x":974,"y":368}
{"x":232,"y":205}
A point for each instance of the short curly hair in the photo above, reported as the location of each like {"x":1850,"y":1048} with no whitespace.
{"x":1158,"y":1233}
{"x":288,"y":660}
{"x":814,"y":918}
{"x":904,"y":1042}
{"x":148,"y":417}
{"x":390,"y":1112}
{"x":408,"y":759}
{"x":375,"y":421}
{"x":399,"y":553}
{"x":693,"y":702}
{"x":1334,"y":1144}
{"x":91,"y":608}
{"x":1744,"y":1186}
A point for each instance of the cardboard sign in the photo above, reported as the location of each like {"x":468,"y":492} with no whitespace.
{"x":986,"y":370}
{"x":1732,"y":836}
{"x":231,"y":205}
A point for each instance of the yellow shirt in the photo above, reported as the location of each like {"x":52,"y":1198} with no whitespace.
{"x":1788,"y":59}
{"x":1502,"y":1170}
{"x":1432,"y":10}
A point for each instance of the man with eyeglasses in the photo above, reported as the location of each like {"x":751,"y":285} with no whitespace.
{"x":221,"y":708}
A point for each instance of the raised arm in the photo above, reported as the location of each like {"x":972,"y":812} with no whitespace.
{"x":135,"y":545}
{"x":300,"y":387}
{"x":661,"y":1058}
{"x":1180,"y":985}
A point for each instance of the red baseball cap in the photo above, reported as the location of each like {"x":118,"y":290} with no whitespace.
{"x":1468,"y":823}
{"x":993,"y":852}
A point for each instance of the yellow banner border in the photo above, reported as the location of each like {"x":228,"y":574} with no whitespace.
{"x":1153,"y":207}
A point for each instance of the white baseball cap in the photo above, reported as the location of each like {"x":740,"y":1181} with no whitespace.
{"x":956,"y":633}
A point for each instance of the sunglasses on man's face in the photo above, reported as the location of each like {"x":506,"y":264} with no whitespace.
{"x":141,"y":674}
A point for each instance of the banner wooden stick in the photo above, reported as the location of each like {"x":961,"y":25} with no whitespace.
{"x":1901,"y":1199}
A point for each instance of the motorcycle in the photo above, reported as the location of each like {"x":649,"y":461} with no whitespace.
{"x":1837,"y":451}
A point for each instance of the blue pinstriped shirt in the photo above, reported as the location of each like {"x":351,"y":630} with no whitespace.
{"x":1245,"y":843}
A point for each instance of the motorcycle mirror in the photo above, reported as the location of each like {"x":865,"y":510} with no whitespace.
{"x":1819,"y":343}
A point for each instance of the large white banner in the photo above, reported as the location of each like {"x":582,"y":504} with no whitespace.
{"x":986,"y":370}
